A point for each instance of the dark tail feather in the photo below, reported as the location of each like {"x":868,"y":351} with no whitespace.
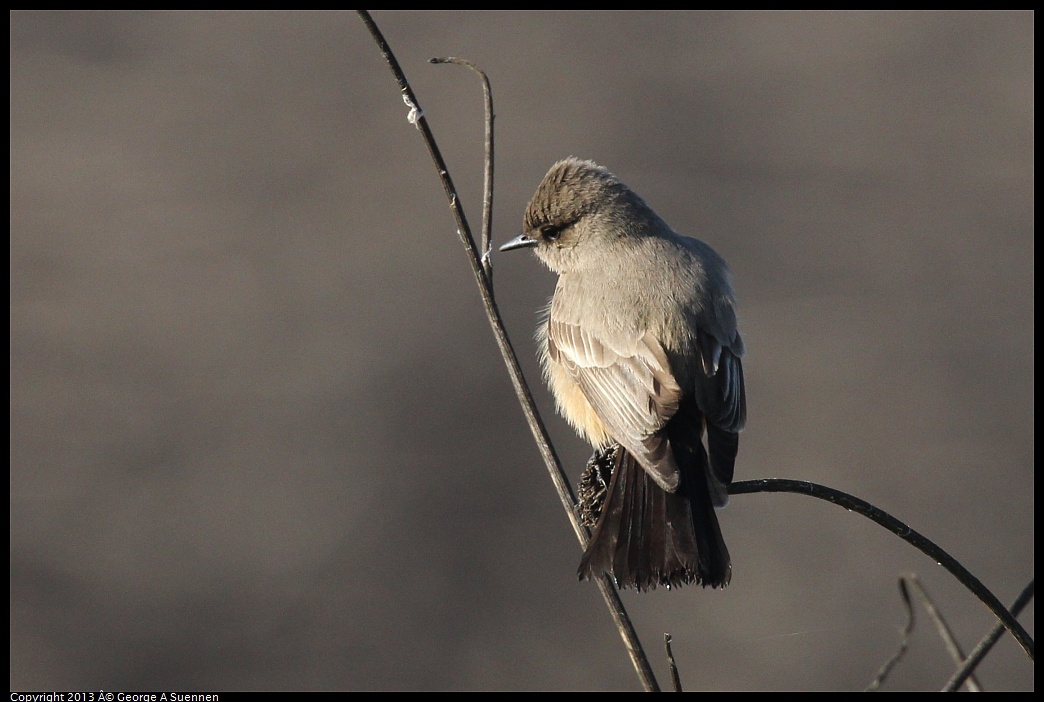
{"x":647,"y":537}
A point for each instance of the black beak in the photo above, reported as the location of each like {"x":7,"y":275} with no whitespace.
{"x":519,"y":242}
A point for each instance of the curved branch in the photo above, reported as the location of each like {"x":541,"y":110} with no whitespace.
{"x":984,"y":646}
{"x":903,"y":531}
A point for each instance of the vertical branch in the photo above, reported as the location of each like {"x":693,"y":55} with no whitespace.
{"x":536,"y":425}
{"x":675,"y":678}
{"x":487,"y":195}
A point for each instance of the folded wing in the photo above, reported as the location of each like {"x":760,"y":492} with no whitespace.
{"x":629,"y":385}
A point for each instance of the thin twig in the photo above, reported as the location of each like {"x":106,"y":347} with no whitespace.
{"x":911,"y":582}
{"x":487,"y":195}
{"x":984,"y":646}
{"x":904,"y":532}
{"x":904,"y":641}
{"x":670,"y":661}
{"x":954,"y":648}
{"x":536,"y":425}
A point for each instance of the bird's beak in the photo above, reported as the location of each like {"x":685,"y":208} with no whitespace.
{"x":519,"y":242}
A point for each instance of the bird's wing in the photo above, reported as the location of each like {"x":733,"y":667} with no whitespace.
{"x":629,"y":384}
{"x":721,"y":396}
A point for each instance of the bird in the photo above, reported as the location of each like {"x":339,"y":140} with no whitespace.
{"x":640,"y":348}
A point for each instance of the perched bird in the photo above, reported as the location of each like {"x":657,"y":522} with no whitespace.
{"x":641,"y":352}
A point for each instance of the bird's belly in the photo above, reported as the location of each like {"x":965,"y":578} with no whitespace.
{"x":574,"y":406}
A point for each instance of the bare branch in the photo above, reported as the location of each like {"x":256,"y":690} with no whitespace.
{"x":904,"y":641}
{"x":536,"y":425}
{"x":984,"y":646}
{"x":674,"y":666}
{"x":906,"y":583}
{"x":487,"y":196}
{"x":942,"y":627}
{"x":925,"y":545}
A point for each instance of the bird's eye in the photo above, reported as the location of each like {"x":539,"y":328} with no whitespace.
{"x":550,"y":232}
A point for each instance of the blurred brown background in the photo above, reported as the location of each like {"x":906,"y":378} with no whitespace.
{"x":261,"y":437}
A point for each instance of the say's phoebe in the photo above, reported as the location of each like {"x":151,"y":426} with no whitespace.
{"x":641,"y":352}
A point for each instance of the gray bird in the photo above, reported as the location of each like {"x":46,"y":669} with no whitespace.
{"x":641,"y":352}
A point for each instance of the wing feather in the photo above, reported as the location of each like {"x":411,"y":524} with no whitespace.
{"x":629,"y":384}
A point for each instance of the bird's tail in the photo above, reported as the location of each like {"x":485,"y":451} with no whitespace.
{"x":646,"y":537}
